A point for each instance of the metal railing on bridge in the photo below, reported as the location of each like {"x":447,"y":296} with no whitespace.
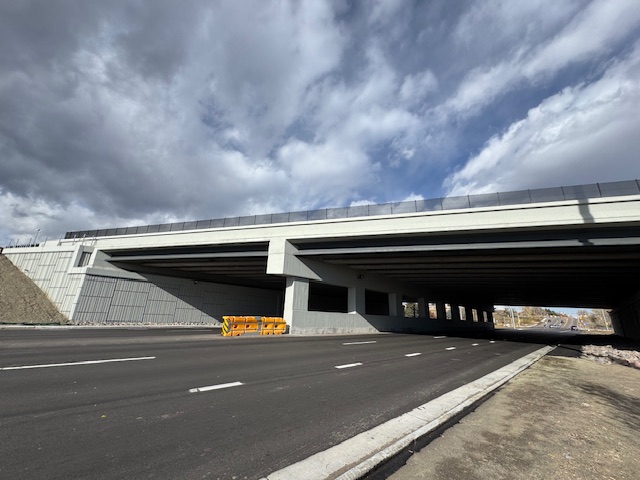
{"x":519,"y":197}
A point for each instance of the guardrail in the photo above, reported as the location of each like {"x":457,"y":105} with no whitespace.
{"x":234,"y":326}
{"x":519,"y":197}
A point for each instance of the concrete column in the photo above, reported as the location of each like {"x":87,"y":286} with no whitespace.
{"x":296,"y":298}
{"x":455,"y":312}
{"x":468,"y":313}
{"x":356,"y":300}
{"x":441,"y":311}
{"x":422,"y":308}
{"x":395,"y":305}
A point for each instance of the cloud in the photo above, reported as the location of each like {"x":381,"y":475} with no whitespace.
{"x":119,"y":113}
{"x":597,"y":29}
{"x":582,"y":133}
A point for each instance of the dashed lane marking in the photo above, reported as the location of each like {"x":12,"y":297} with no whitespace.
{"x":349,"y":365}
{"x":215,"y":387}
{"x":360,"y":343}
{"x":475,"y":344}
{"x":450,"y":348}
{"x":441,"y":336}
{"x":412,"y":354}
{"x":70,"y":364}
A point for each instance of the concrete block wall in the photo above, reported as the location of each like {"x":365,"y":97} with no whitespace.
{"x":168,"y":301}
{"x":318,"y":323}
{"x":109,"y":296}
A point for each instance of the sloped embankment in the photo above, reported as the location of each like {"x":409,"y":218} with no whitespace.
{"x":21,"y":301}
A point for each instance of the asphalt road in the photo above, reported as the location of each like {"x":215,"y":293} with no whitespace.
{"x":146,"y":413}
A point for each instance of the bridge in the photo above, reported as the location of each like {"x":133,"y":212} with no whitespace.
{"x":349,"y":270}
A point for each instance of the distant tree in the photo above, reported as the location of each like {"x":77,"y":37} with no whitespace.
{"x":595,"y":319}
{"x":411,"y":309}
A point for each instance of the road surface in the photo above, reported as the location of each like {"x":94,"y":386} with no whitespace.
{"x":182,"y":403}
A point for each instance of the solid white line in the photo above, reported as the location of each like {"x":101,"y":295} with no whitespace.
{"x":450,"y":348}
{"x":215,"y":387}
{"x":360,"y":343}
{"x":441,"y":336}
{"x":492,"y":341}
{"x":412,"y":354}
{"x":349,"y":365}
{"x":88,"y":362}
{"x":373,"y":447}
{"x":475,"y":344}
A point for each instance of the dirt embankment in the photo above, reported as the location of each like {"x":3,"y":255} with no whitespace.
{"x":21,"y":301}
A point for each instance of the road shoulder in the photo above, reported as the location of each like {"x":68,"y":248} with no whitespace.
{"x":562,"y":418}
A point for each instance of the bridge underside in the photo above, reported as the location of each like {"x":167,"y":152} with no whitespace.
{"x":596,"y":268}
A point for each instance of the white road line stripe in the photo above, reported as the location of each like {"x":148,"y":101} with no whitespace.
{"x":441,"y":336}
{"x":492,"y":341}
{"x":412,"y":354}
{"x":450,"y":348}
{"x":215,"y":387}
{"x":374,"y":447}
{"x":349,"y":365}
{"x":475,"y":344}
{"x":69,"y":364}
{"x":359,"y":343}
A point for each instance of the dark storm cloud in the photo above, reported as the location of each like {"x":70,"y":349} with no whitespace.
{"x":122,"y":112}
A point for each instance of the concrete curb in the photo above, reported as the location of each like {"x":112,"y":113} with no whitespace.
{"x":359,"y":455}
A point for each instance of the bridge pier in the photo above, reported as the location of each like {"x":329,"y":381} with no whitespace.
{"x":626,"y":318}
{"x":468,"y":313}
{"x":455,"y":312}
{"x":296,"y":297}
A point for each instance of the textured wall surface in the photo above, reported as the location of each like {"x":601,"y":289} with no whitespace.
{"x":329,"y":322}
{"x":112,"y":298}
{"x":166,"y":300}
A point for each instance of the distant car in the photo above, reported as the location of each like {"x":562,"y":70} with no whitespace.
{"x":573,"y":327}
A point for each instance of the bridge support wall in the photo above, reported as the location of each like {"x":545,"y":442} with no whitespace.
{"x":300,"y":271}
{"x":626,"y":318}
{"x":99,"y":294}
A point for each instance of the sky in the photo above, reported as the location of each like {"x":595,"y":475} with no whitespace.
{"x":125,"y":113}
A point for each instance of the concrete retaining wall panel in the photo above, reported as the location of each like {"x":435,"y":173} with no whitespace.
{"x":319,"y":323}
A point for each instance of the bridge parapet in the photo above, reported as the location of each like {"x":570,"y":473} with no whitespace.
{"x":520,"y":197}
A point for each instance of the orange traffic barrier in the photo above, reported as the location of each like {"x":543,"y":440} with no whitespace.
{"x":234,"y":326}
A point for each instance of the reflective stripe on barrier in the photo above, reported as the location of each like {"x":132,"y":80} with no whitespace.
{"x":234,"y":326}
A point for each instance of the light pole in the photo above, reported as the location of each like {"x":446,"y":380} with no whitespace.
{"x":35,"y":239}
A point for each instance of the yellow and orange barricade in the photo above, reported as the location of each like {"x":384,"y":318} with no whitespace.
{"x":234,"y":326}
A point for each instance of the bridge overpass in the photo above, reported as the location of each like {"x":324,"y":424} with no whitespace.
{"x":350,"y":269}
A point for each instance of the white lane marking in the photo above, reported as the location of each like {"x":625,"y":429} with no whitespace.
{"x":412,"y":354}
{"x":373,"y":447}
{"x":475,"y":344}
{"x":349,"y":365}
{"x":441,"y":336}
{"x":69,"y":364}
{"x":215,"y":387}
{"x":450,"y":348}
{"x":360,"y":343}
{"x":492,"y":341}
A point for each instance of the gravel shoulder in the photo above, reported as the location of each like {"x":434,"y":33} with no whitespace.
{"x":563,"y":418}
